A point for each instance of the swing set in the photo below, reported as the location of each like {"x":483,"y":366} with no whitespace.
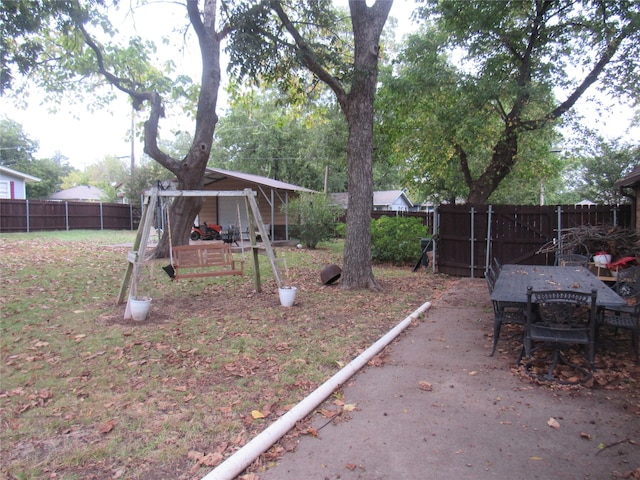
{"x":195,"y":261}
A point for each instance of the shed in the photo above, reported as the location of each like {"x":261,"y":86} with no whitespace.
{"x":13,"y":183}
{"x":630,"y":187}
{"x":273,"y":197}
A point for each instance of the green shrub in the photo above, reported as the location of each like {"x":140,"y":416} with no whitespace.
{"x":313,"y":218}
{"x":341,"y":230}
{"x":396,"y":239}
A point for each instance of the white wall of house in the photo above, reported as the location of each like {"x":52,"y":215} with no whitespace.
{"x":13,"y":183}
{"x":12,"y":187}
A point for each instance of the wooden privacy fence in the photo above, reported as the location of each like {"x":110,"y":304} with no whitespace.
{"x":39,"y":215}
{"x":471,"y":235}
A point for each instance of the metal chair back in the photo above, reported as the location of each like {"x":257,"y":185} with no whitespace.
{"x":561,"y":317}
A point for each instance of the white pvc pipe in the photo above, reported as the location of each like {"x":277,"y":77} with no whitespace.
{"x":240,"y":460}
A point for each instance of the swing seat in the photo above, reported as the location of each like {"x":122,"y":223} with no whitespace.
{"x":212,"y":260}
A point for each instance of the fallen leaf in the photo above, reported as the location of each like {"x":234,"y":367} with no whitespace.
{"x":553,"y":423}
{"x":212,"y":459}
{"x":256,"y":414}
{"x":426,"y":386}
{"x":585,"y":435}
{"x":473,"y":374}
{"x":535,"y":458}
{"x":45,"y":394}
{"x":349,"y":407}
{"x":249,"y":476}
{"x":328,"y":413}
{"x":195,"y":455}
{"x":351,"y":466}
{"x":106,"y":427}
{"x":118,"y":473}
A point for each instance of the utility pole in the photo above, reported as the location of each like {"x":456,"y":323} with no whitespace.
{"x":133,"y":138}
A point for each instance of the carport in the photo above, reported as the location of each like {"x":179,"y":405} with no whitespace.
{"x":273,"y":198}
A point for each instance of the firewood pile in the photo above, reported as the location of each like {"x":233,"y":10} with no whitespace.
{"x":587,"y":240}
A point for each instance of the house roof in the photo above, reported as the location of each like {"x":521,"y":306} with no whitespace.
{"x":81,"y":192}
{"x":388,"y":197}
{"x":380,"y":198}
{"x":630,"y":180}
{"x":213,"y":175}
{"x":14,"y":173}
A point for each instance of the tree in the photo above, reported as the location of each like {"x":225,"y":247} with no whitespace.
{"x":265,"y":135}
{"x":277,"y":42}
{"x":21,"y":40}
{"x":600,"y":167}
{"x":50,"y":173}
{"x":108,"y":175}
{"x":314,"y":218}
{"x":518,"y":54}
{"x":17,"y":152}
{"x":15,"y":145}
{"x":438,"y":126}
{"x":130,"y":69}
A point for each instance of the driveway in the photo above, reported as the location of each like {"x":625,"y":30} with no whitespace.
{"x":440,"y":408}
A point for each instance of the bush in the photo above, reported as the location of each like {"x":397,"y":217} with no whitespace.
{"x":341,"y":230}
{"x":396,"y":239}
{"x":313,"y":218}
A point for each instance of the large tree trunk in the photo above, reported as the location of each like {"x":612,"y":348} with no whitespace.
{"x":357,"y":271}
{"x":357,"y":105}
{"x":190,"y":171}
{"x":367,"y":24}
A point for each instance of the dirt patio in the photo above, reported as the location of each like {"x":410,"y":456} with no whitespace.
{"x":435,"y":405}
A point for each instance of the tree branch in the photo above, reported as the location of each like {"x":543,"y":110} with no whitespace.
{"x":593,"y":75}
{"x":464,"y":164}
{"x":307,"y":55}
{"x":138,"y":98}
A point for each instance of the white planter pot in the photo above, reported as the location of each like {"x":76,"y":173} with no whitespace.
{"x":139,"y":308}
{"x":602,"y":259}
{"x":287,"y":296}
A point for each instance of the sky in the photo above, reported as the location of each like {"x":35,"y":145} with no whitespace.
{"x":86,"y":137}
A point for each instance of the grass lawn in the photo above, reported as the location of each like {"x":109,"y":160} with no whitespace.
{"x":87,"y":394}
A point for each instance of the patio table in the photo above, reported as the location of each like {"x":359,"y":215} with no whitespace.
{"x":513,"y":280}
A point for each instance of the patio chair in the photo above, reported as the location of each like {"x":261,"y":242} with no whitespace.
{"x":496,"y":264}
{"x":563,"y":317}
{"x":506,"y":312}
{"x":491,"y":275}
{"x":626,"y":316}
{"x":572,"y":260}
{"x":503,"y":312}
{"x":628,"y":282}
